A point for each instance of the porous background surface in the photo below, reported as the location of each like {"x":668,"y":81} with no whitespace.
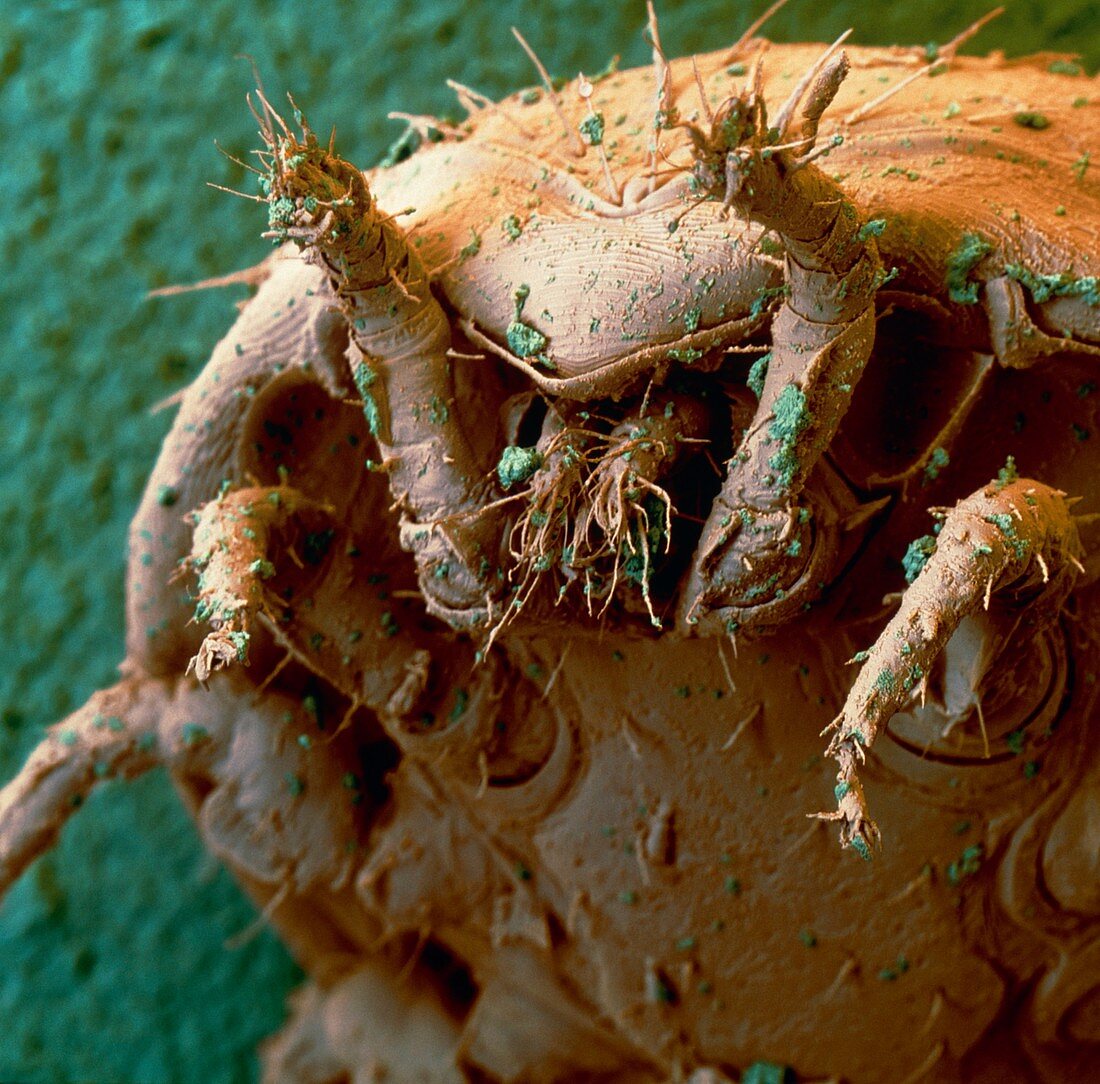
{"x":127,"y":954}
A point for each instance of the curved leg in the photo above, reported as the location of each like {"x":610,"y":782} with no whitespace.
{"x":1013,"y":544}
{"x":757,"y":543}
{"x":400,"y":338}
{"x":114,"y":734}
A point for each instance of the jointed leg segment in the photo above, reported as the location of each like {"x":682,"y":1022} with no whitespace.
{"x":232,"y":555}
{"x":1013,"y":545}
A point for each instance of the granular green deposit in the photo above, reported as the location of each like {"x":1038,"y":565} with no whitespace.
{"x":113,"y":962}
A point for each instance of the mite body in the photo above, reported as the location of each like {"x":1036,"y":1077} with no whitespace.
{"x":517,"y":445}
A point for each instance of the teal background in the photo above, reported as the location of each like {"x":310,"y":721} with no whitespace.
{"x":113,"y":963}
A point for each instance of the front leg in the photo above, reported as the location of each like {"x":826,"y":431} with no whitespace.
{"x":398,"y":352}
{"x":759,"y":545}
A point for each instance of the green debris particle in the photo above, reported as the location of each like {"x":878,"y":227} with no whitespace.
{"x":1031,"y":769}
{"x":685,"y":354}
{"x":294,"y":784}
{"x":280,"y":213}
{"x":859,"y":845}
{"x":685,"y":944}
{"x":916,"y":556}
{"x":474,"y":246}
{"x":524,"y":340}
{"x":1064,"y":67}
{"x":840,"y":790}
{"x":874,"y":228}
{"x":522,"y":872}
{"x":915,"y":675}
{"x":67,"y":737}
{"x":438,"y":411}
{"x":1031,"y":119}
{"x":808,"y":938}
{"x":758,"y":373}
{"x":792,"y":418}
{"x":767,"y":1072}
{"x":517,"y":464}
{"x":936,"y":462}
{"x":889,"y":974}
{"x":885,"y":682}
{"x":972,"y":249}
{"x":953,"y":110}
{"x":390,"y":627}
{"x":1080,"y":167}
{"x":512,"y":227}
{"x":167,"y":496}
{"x":1007,"y":474}
{"x":1005,"y":523}
{"x":261,"y":568}
{"x":240,"y":641}
{"x":1045,"y":287}
{"x":764,"y":297}
{"x":193,"y":734}
{"x":861,"y":656}
{"x":732,"y":886}
{"x":692,"y":318}
{"x":628,"y":897}
{"x":967,"y":864}
{"x":1014,"y":739}
{"x":736,"y":69}
{"x":364,"y":378}
{"x":591,"y":129}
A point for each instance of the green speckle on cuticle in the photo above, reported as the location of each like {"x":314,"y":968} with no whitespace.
{"x":758,"y":373}
{"x":792,"y":418}
{"x":517,"y":464}
{"x":917,"y":555}
{"x":971,"y":250}
{"x":1032,"y":119}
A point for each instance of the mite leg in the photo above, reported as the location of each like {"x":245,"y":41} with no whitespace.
{"x":232,"y":553}
{"x":757,"y":544}
{"x":400,"y":337}
{"x":1013,"y":544}
{"x":113,"y":735}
